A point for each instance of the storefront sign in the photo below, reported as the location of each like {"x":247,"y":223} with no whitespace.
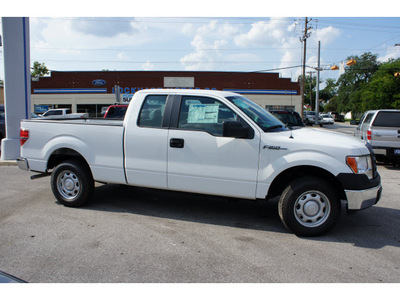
{"x":99,"y":82}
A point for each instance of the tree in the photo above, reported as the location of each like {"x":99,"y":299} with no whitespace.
{"x":355,"y":79}
{"x":383,"y":90}
{"x":309,"y":89}
{"x":39,"y":69}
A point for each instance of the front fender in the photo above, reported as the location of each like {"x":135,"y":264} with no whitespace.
{"x":269,"y":171}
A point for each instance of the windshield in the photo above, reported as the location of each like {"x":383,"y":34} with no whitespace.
{"x":264,"y":119}
{"x":289,"y":118}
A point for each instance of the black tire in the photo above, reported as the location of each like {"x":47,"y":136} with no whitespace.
{"x":309,"y":206}
{"x":72,"y":183}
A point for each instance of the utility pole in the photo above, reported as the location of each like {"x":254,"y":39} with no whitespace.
{"x":303,"y":39}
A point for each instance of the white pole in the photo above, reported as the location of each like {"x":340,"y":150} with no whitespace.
{"x":317,"y":91}
{"x":17,"y":82}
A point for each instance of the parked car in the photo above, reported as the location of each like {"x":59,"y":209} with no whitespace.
{"x":337,"y":117}
{"x":290,"y":118}
{"x":7,"y":278}
{"x":309,"y":117}
{"x":63,"y":113}
{"x":116,"y":111}
{"x":2,"y":126}
{"x":381,"y":129}
{"x":326,"y":120}
{"x":208,"y":142}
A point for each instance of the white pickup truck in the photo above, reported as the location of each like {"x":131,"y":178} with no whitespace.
{"x":63,"y":113}
{"x":208,"y":142}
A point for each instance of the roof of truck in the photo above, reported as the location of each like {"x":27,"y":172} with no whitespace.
{"x":189,"y":92}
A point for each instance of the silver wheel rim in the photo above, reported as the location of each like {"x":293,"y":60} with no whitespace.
{"x":312,"y":209}
{"x":68,"y":185}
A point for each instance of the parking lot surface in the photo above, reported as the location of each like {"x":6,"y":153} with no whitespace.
{"x":128,"y":234}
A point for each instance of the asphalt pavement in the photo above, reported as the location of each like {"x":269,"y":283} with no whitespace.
{"x":137,"y":235}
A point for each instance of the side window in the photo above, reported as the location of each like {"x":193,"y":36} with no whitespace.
{"x":204,"y":114}
{"x":152,"y":112}
{"x":368,"y":118}
{"x":49,"y":113}
{"x":58,"y":113}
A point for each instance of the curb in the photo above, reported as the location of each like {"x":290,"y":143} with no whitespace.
{"x":8,"y":162}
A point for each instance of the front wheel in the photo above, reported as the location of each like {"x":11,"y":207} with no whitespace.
{"x":72,"y":183}
{"x":309,"y":206}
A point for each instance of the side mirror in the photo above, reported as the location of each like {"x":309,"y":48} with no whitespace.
{"x":236,"y":129}
{"x":353,"y":122}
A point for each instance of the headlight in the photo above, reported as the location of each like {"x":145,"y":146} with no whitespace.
{"x":360,"y":165}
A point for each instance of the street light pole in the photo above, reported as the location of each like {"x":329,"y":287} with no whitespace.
{"x":317,"y":90}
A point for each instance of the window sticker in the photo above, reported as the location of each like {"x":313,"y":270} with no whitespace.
{"x":203,"y":113}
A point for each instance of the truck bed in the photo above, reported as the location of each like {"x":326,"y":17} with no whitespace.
{"x":80,"y":121}
{"x":100,"y":141}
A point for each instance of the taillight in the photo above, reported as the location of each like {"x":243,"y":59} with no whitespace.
{"x":23,"y":136}
{"x":369,"y":134}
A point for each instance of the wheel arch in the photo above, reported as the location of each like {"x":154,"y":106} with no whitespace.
{"x":284,"y":178}
{"x":64,"y":154}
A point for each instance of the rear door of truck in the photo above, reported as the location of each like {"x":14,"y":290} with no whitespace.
{"x":146,"y":139}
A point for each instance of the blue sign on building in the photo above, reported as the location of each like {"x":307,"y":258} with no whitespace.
{"x":99,"y":82}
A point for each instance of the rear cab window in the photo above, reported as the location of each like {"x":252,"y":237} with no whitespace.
{"x":152,"y":111}
{"x":387,"y":119}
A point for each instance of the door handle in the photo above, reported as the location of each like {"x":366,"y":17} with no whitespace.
{"x":176,"y":143}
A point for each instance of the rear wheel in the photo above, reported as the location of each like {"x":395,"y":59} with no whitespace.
{"x":309,"y":206}
{"x":72,"y":183}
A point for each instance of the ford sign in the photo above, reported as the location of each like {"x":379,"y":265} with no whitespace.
{"x":99,"y":82}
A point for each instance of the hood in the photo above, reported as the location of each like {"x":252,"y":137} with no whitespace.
{"x":317,"y":140}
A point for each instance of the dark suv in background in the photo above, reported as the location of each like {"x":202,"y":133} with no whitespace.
{"x":290,"y":118}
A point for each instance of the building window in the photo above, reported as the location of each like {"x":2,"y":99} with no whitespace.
{"x":94,"y":110}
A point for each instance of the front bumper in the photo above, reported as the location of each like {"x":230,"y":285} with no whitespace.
{"x":360,"y":199}
{"x":360,"y":191}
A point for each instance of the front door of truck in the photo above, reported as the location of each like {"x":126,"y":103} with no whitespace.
{"x":201,"y":160}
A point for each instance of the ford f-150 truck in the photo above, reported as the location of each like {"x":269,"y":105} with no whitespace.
{"x":208,"y":142}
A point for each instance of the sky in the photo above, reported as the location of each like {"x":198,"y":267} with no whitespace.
{"x":210,"y":41}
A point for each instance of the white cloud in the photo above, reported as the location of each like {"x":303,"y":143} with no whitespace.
{"x":272,"y":33}
{"x":391,"y":52}
{"x":122,"y":56}
{"x":207,"y":42}
{"x":326,"y":35}
{"x":104,"y":27}
{"x":147,"y":66}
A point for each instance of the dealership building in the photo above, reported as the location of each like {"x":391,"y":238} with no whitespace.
{"x":94,"y":91}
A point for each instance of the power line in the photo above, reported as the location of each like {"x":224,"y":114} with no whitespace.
{"x":204,"y":49}
{"x":227,"y":20}
{"x":158,"y":62}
